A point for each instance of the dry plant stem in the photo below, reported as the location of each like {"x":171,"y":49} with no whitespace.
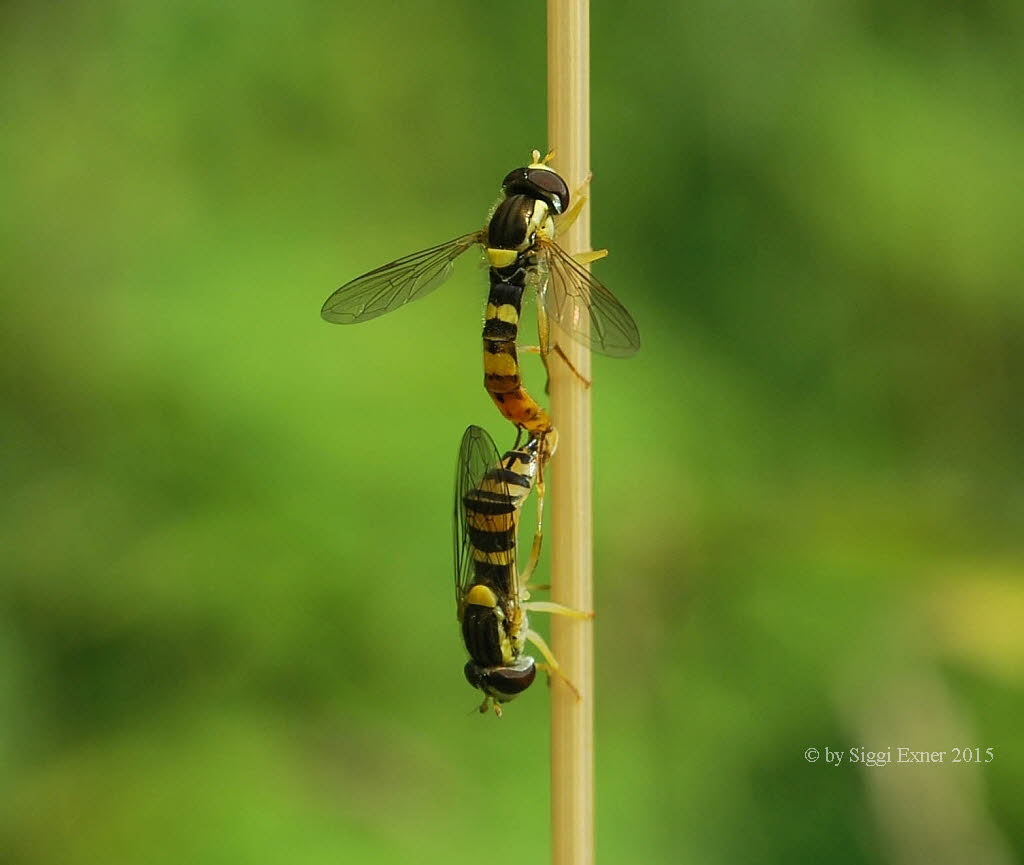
{"x":572,"y":719}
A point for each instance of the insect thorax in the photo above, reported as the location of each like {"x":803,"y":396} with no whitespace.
{"x":516,"y":224}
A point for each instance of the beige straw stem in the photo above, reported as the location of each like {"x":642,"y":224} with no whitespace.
{"x":572,"y":720}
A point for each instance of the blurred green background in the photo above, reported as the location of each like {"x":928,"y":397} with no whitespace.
{"x":226,"y":620}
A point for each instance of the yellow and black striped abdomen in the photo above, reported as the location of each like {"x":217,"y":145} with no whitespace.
{"x":501,"y":362}
{"x":492,"y":518}
{"x":492,"y":512}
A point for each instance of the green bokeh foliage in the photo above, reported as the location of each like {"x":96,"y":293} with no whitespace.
{"x":226,"y":624}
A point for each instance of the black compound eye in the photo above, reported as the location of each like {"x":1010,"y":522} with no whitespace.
{"x":515,"y":181}
{"x":550,"y":187}
{"x":473,"y":674}
{"x":511,"y":681}
{"x":539,"y":183}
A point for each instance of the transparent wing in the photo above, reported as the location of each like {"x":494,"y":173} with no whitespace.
{"x":395,"y":284}
{"x":574,"y":298}
{"x":478,"y":458}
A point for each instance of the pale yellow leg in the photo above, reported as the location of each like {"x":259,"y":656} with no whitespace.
{"x":551,"y":667}
{"x":488,"y":703}
{"x":588,"y":257}
{"x":555,"y":609}
{"x":579,"y":198}
{"x":538,"y":534}
{"x":545,"y":349}
{"x":548,"y":444}
{"x":544,"y":336}
{"x":538,"y":537}
{"x":544,"y":330}
{"x":543,"y":352}
{"x":551,"y":671}
{"x":542,"y":647}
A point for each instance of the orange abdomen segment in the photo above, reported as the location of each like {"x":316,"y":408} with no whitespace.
{"x":522,"y":409}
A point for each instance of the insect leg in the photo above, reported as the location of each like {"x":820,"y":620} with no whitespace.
{"x":544,"y":330}
{"x":551,"y":666}
{"x":546,"y":450}
{"x":531,"y":565}
{"x":585,"y":381}
{"x":488,"y":703}
{"x":544,"y":336}
{"x":538,"y":535}
{"x":555,"y":609}
{"x":579,"y":198}
{"x":588,"y":257}
{"x":548,"y":444}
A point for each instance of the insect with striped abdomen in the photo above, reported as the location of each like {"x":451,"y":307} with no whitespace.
{"x":521,"y":248}
{"x":491,"y":594}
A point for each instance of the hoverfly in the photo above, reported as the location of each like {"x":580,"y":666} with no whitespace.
{"x":491,"y":595}
{"x":519,"y":241}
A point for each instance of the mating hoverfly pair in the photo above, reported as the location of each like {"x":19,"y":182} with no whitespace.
{"x":492,"y":596}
